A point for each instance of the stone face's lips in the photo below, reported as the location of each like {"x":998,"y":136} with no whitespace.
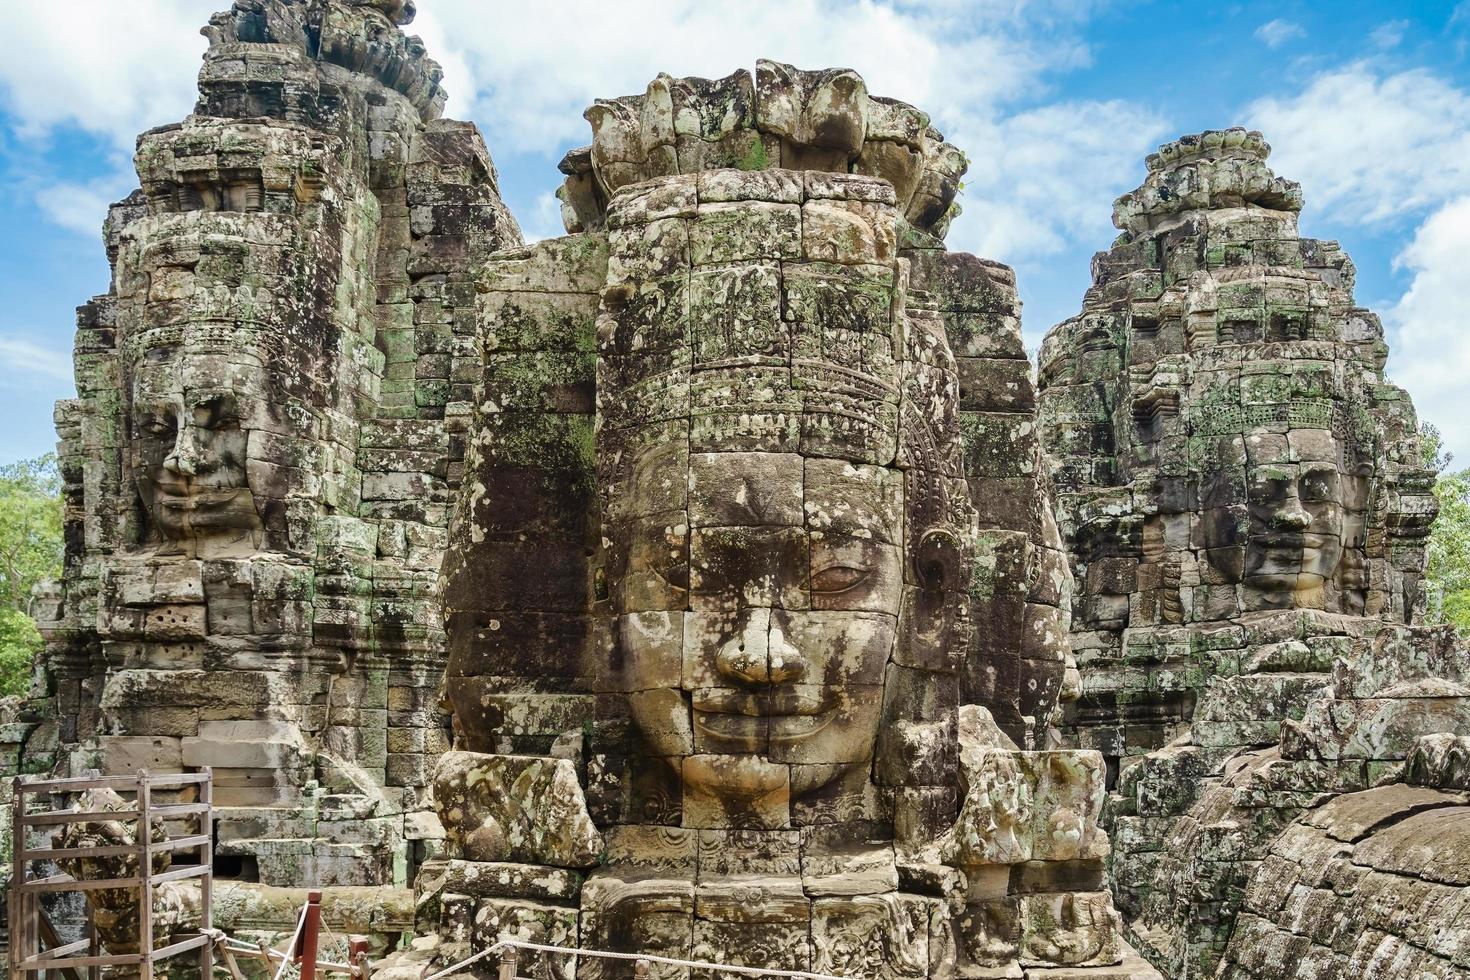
{"x":1313,"y":541}
{"x":752,"y":731}
{"x":169,"y":496}
{"x":769,"y":704}
{"x":781,"y":716}
{"x":794,"y":728}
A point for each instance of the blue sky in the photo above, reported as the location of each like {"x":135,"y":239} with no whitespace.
{"x":1056,"y":103}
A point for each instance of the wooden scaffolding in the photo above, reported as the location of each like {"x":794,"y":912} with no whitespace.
{"x":35,"y":945}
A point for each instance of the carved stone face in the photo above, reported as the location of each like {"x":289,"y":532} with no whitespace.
{"x":755,"y":632}
{"x":1281,"y":529}
{"x":191,"y":418}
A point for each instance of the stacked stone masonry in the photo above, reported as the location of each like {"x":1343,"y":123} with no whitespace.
{"x":270,"y":423}
{"x":1243,"y":497}
{"x":771,"y":447}
{"x":715,"y":580}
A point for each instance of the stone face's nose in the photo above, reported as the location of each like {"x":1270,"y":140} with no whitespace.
{"x":1292,"y":517}
{"x":759,"y":654}
{"x":184,"y":459}
{"x":786,"y":663}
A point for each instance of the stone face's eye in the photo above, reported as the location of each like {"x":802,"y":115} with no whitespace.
{"x":839,"y":578}
{"x":158,"y":425}
{"x":674,"y":573}
{"x":1320,"y":486}
{"x":218,"y":414}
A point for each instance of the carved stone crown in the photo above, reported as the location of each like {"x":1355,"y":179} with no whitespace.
{"x":1214,"y":169}
{"x":769,"y":321}
{"x":779,"y":118}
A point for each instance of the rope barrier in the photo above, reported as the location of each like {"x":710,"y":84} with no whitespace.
{"x":667,"y":960}
{"x":463,"y":963}
{"x":291,"y":947}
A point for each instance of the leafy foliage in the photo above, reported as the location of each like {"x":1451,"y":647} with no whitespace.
{"x":19,"y":644}
{"x":1448,"y":571}
{"x":30,"y":551}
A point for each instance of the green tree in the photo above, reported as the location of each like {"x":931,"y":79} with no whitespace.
{"x":1448,"y":571}
{"x":30,"y":550}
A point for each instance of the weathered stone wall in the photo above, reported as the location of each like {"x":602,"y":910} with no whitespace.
{"x":1373,"y":883}
{"x":753,"y":525}
{"x":1243,"y":497}
{"x":270,"y":422}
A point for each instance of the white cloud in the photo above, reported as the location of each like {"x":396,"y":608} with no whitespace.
{"x":1431,"y":342}
{"x":116,"y":69}
{"x":22,"y":360}
{"x":1046,"y":177}
{"x":545,"y":219}
{"x":1275,"y":33}
{"x":1393,"y":150}
{"x":110,"y":68}
{"x":1388,"y":35}
{"x":1036,"y":176}
{"x":1370,"y":147}
{"x":82,"y":207}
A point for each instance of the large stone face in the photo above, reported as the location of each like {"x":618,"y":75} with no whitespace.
{"x":269,"y":425}
{"x":752,"y":534}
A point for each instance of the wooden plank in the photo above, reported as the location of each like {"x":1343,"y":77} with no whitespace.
{"x":145,"y":872}
{"x":101,"y":850}
{"x":181,"y":843}
{"x":206,"y":859}
{"x":109,"y":959}
{"x":58,"y":950}
{"x":65,"y":882}
{"x":70,"y":784}
{"x":180,"y":809}
{"x":93,"y":972}
{"x":18,"y":873}
{"x":230,"y":964}
{"x":186,"y":871}
{"x":183,"y":946}
{"x":48,"y":933}
{"x":111,"y":850}
{"x":173,"y":780}
{"x":77,"y":816}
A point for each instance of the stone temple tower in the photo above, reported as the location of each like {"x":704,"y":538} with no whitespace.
{"x":1243,"y":497}
{"x":260,"y":461}
{"x":1223,"y":440}
{"x":756,"y":607}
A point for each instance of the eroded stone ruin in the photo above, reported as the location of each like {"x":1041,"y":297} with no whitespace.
{"x":1245,"y":503}
{"x":270,"y":421}
{"x":714,"y":581}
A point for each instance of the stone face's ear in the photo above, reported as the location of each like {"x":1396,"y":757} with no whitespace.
{"x":777,"y":98}
{"x":938,"y":565}
{"x":837,"y":112}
